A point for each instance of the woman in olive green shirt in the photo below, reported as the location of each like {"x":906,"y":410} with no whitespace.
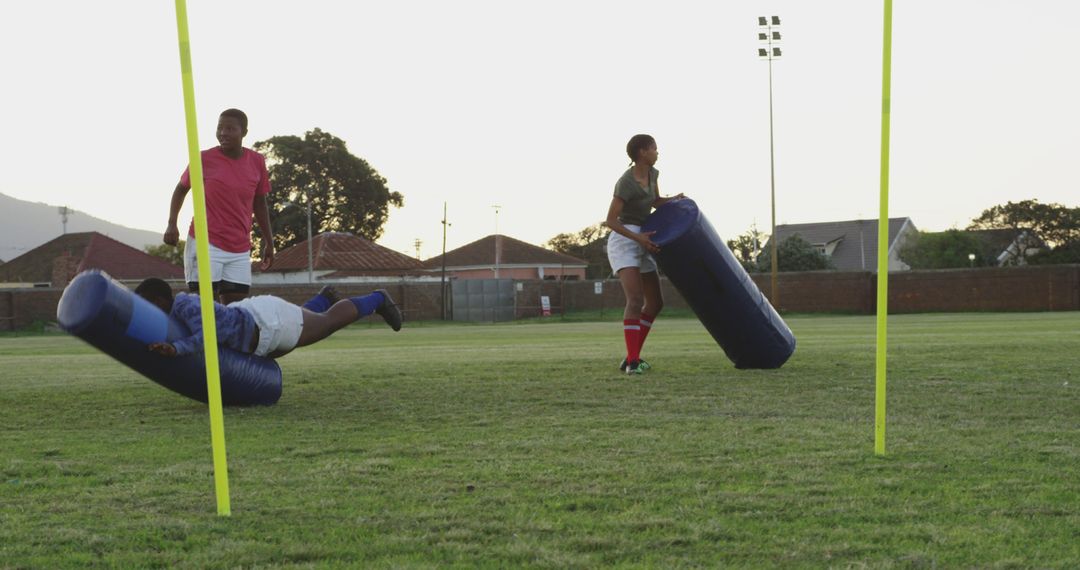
{"x":630,"y":250}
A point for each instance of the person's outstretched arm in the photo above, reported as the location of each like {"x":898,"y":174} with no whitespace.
{"x":172,"y":233}
{"x":614,"y":211}
{"x":661,"y":200}
{"x":186,"y":308}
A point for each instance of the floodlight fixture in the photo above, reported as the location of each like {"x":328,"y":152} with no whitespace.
{"x":769,"y":52}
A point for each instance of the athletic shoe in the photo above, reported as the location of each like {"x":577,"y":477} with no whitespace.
{"x":389,"y":311}
{"x":634,"y":368}
{"x":331,"y":294}
{"x":641,"y":364}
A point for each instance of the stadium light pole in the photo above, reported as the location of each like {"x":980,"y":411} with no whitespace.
{"x":771,"y":51}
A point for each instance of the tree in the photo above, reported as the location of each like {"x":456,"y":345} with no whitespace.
{"x":589,"y":244}
{"x":170,"y":253}
{"x":943,"y":250}
{"x":1055,"y":224}
{"x":794,"y":254}
{"x":346,"y":193}
{"x":745,"y":247}
{"x":1065,"y":253}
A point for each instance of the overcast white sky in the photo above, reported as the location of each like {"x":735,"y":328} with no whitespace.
{"x":529,"y":105}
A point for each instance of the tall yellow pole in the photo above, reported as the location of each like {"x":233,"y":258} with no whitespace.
{"x":206,"y":291}
{"x":883,"y":237}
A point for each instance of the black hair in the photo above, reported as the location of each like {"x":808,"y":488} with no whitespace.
{"x":236,"y":114}
{"x":154,"y":290}
{"x":637,"y":144}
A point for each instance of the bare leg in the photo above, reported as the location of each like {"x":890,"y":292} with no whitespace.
{"x":633,"y":290}
{"x":227,"y":297}
{"x":318,"y":326}
{"x":654,"y":298}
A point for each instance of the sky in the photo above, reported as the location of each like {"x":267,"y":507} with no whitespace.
{"x":528,"y":106}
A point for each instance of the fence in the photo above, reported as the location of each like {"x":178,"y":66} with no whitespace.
{"x":1033,"y":288}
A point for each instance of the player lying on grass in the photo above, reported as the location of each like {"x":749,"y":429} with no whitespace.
{"x":263,"y":325}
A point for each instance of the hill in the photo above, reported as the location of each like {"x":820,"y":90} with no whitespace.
{"x":25,"y":225}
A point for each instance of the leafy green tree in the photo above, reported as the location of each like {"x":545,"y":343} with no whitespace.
{"x":1055,"y":224}
{"x":1065,"y":253}
{"x":745,"y":247}
{"x":346,"y":193}
{"x":170,"y":253}
{"x":943,"y":250}
{"x":589,"y":244}
{"x":794,"y":254}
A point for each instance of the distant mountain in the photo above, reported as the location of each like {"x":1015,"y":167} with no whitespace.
{"x":26,"y":225}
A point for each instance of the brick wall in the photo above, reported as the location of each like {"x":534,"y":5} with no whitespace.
{"x":1039,"y":288}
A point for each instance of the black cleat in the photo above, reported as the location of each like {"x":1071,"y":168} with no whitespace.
{"x":641,"y":364}
{"x":389,"y":311}
{"x":331,"y":294}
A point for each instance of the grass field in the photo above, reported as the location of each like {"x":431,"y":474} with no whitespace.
{"x":519,"y":445}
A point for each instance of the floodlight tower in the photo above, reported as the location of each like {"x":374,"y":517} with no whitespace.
{"x":768,"y":50}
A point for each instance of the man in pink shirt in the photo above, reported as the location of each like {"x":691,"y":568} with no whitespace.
{"x":236,"y":185}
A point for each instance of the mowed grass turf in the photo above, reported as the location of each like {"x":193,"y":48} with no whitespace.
{"x":520,"y":445}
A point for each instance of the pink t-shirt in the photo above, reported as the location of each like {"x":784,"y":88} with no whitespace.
{"x":231,"y":185}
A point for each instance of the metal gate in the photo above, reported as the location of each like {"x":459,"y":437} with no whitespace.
{"x":483,"y":300}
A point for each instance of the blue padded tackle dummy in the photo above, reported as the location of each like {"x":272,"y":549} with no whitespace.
{"x":718,"y":289}
{"x":121,"y":324}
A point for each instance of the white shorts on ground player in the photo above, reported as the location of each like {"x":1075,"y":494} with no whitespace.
{"x":623,"y":252}
{"x":279,"y":322}
{"x":224,"y":265}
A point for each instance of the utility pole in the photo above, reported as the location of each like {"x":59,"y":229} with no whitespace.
{"x":497,"y":207}
{"x":442,"y":295}
{"x":417,"y":243}
{"x":310,"y":255}
{"x":64,"y":212}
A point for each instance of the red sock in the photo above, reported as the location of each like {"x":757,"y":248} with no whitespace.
{"x":632,"y":334}
{"x":646,"y":326}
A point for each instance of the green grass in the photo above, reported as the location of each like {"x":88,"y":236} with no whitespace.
{"x":519,"y":445}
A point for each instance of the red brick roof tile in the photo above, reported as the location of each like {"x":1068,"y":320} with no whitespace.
{"x":512,"y":252}
{"x":344,"y":252}
{"x":87,"y":250}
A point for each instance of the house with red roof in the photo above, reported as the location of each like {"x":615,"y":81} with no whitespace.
{"x":55,"y":263}
{"x":340,"y":257}
{"x":503,"y":257}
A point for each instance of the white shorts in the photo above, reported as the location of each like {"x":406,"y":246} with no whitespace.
{"x":279,"y":322}
{"x":623,"y":252}
{"x":224,"y":265}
